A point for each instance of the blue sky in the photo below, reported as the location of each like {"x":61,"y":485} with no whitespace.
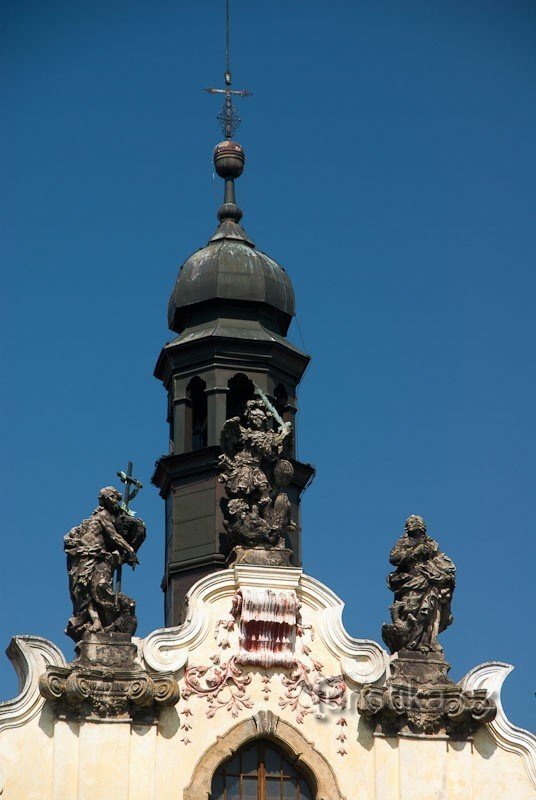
{"x":391,"y":169}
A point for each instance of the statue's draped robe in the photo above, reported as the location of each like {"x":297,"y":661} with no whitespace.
{"x":93,"y":552}
{"x":423,"y":584}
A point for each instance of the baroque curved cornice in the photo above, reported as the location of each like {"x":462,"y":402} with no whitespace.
{"x":491,"y":676}
{"x":30,"y":655}
{"x":167,"y":649}
{"x":362,"y":660}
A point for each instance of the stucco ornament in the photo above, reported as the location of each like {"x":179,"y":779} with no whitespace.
{"x":268,"y":621}
{"x":490,"y":678}
{"x":30,"y":656}
{"x":264,"y":647}
{"x":255,"y":473}
{"x":222,"y":684}
{"x":362,"y":661}
{"x":270,"y":624}
{"x":308,"y":690}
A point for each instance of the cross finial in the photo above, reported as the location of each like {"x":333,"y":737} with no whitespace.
{"x":228,"y":116}
{"x":132,"y":487}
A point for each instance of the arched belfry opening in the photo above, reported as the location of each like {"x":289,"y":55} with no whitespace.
{"x":241,"y":389}
{"x":196,"y":420}
{"x":260,"y":770}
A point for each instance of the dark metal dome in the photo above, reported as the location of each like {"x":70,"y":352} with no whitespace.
{"x":229,"y":272}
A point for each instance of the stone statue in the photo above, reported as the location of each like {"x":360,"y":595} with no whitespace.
{"x":106,"y":679}
{"x":423,"y":584}
{"x":95,"y":549}
{"x":418,"y":697}
{"x":255,"y":474}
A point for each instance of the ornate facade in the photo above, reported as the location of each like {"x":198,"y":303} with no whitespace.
{"x":234,"y":696}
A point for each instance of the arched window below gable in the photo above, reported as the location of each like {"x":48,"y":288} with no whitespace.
{"x":260,"y":771}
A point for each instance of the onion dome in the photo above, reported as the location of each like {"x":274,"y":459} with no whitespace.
{"x":230,"y":277}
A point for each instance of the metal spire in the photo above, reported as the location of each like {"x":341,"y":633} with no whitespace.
{"x":228,"y":116}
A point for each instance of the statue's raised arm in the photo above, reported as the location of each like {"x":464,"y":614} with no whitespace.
{"x":284,"y":437}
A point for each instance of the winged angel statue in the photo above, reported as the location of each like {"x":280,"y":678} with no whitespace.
{"x":255,"y":473}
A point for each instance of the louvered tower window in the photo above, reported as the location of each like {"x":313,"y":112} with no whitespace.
{"x":260,"y":771}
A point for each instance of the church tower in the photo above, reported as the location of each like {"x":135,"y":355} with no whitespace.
{"x":231,"y":308}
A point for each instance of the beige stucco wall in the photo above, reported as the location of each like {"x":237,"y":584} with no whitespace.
{"x":126,"y":762}
{"x":42,"y":758}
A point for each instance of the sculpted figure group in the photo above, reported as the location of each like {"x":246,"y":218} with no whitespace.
{"x":255,"y":473}
{"x":96,"y":549}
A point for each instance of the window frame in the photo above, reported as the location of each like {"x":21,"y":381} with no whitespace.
{"x":262,"y":775}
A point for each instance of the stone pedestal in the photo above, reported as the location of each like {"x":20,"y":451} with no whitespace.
{"x":419,"y":698}
{"x":105,"y":681}
{"x":261,"y":556}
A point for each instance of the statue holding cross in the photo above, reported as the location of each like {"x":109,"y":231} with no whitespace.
{"x":132,"y":487}
{"x":96,"y":549}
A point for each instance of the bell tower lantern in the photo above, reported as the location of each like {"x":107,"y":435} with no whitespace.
{"x":231,"y":308}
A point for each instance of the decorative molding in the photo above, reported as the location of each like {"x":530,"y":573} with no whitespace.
{"x":30,"y":656}
{"x":266,"y":723}
{"x":419,"y":697}
{"x":301,"y":751}
{"x":267,"y":621}
{"x":491,"y":676}
{"x":167,"y":649}
{"x":342,"y":736}
{"x":307,"y":690}
{"x":185,"y":723}
{"x":268,"y":577}
{"x":105,"y":681}
{"x":362,"y":660}
{"x":222,"y":685}
{"x":266,"y":680}
{"x":94,"y":694}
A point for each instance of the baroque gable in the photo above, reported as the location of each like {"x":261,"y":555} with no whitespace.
{"x":295,"y":679}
